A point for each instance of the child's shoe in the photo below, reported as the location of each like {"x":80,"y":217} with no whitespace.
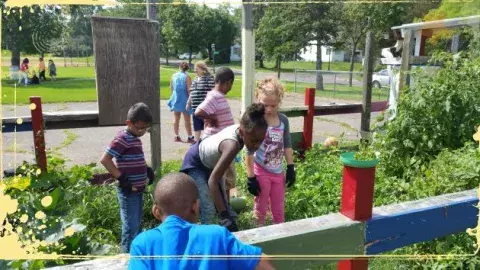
{"x":177,"y":139}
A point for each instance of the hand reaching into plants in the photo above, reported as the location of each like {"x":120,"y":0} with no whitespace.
{"x":253,"y":186}
{"x":227,"y":221}
{"x":290,"y":177}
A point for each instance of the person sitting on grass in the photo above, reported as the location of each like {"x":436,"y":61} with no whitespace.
{"x":176,"y":205}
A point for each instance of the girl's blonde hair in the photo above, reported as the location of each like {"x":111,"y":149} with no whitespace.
{"x":203,"y":66}
{"x":270,"y":86}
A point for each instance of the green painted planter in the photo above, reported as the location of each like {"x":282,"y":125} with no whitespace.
{"x":348,"y":159}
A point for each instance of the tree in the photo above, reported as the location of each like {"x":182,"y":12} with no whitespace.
{"x":358,"y":18}
{"x":30,"y":30}
{"x":181,"y":28}
{"x":280,"y":32}
{"x":322,"y":30}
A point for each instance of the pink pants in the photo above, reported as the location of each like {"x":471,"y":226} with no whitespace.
{"x":272,"y":188}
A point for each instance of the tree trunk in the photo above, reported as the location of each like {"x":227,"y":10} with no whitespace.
{"x":260,"y":62}
{"x":166,"y":54}
{"x":190,"y":55}
{"x":319,"y":82}
{"x":15,"y":60}
{"x":352,"y":58}
{"x":279,"y":63}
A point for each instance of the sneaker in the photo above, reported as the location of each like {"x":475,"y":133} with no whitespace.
{"x":177,"y":139}
{"x":191,"y":140}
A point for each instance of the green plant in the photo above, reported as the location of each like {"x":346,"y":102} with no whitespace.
{"x":441,"y":111}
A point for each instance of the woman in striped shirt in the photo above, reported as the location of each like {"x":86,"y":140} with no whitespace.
{"x":203,"y":83}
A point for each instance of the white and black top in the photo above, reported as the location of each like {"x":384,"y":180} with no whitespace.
{"x":200,"y":88}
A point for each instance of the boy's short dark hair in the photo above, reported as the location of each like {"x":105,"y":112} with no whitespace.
{"x":140,"y":112}
{"x":223,"y":75}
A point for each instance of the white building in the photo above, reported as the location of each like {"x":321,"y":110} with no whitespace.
{"x":236,"y":52}
{"x":310,"y":54}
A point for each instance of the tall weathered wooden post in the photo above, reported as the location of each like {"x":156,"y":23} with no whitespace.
{"x":127,"y":72}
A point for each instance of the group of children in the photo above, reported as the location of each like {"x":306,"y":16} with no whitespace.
{"x":210,"y":160}
{"x":24,"y":71}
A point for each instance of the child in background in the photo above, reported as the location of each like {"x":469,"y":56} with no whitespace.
{"x":218,"y":115}
{"x":130,"y":170}
{"x":207,"y":160}
{"x":41,"y":69}
{"x":24,"y":70}
{"x":266,"y":180}
{"x":52,"y":70}
{"x":201,"y":85}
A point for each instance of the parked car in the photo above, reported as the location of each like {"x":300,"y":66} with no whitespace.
{"x":185,"y":56}
{"x":381,"y":79}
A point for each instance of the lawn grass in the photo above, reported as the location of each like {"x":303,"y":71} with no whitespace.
{"x":77,"y":84}
{"x":289,"y":66}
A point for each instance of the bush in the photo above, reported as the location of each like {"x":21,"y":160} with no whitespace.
{"x":441,"y":112}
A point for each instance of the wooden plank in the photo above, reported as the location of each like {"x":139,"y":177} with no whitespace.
{"x":248,"y":55}
{"x":126,"y":67}
{"x":296,"y":111}
{"x":332,"y":234}
{"x":404,"y":224}
{"x":441,"y":24}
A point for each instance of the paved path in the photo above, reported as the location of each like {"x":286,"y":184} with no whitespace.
{"x":90,"y":143}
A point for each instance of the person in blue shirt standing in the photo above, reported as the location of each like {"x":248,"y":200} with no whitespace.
{"x":185,"y":244}
{"x":180,"y":86}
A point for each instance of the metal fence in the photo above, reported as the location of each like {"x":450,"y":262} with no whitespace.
{"x":335,"y":84}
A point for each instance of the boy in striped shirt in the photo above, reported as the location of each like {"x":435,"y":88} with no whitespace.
{"x":214,"y":110}
{"x":130,"y":170}
{"x":217,"y":115}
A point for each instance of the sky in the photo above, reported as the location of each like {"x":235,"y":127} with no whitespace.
{"x":213,"y":3}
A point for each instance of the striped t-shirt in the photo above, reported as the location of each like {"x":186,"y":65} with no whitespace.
{"x":216,"y":104}
{"x":199,"y":89}
{"x":128,"y":152}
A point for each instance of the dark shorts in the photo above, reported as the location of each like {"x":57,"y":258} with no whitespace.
{"x":197,"y":123}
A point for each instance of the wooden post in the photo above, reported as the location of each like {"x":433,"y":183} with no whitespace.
{"x":119,"y":43}
{"x":455,"y":43}
{"x":367,"y":87}
{"x":308,"y":119}
{"x":405,"y":66}
{"x":155,"y":131}
{"x":357,"y":203}
{"x":38,"y":133}
{"x":248,"y":55}
{"x":151,"y":9}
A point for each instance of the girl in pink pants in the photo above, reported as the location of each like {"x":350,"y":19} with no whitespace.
{"x":266,"y":179}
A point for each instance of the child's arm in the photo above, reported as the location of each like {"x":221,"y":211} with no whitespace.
{"x":171,"y":86}
{"x":107,"y":162}
{"x":249,"y":159}
{"x":288,"y":151}
{"x":229,"y":150}
{"x":189,"y":84}
{"x":206,"y":111}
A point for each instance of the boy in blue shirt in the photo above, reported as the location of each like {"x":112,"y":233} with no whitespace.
{"x":190,"y":245}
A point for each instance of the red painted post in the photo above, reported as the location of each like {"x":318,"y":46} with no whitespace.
{"x":357,"y":204}
{"x":38,"y":134}
{"x":308,"y":119}
{"x":357,"y":192}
